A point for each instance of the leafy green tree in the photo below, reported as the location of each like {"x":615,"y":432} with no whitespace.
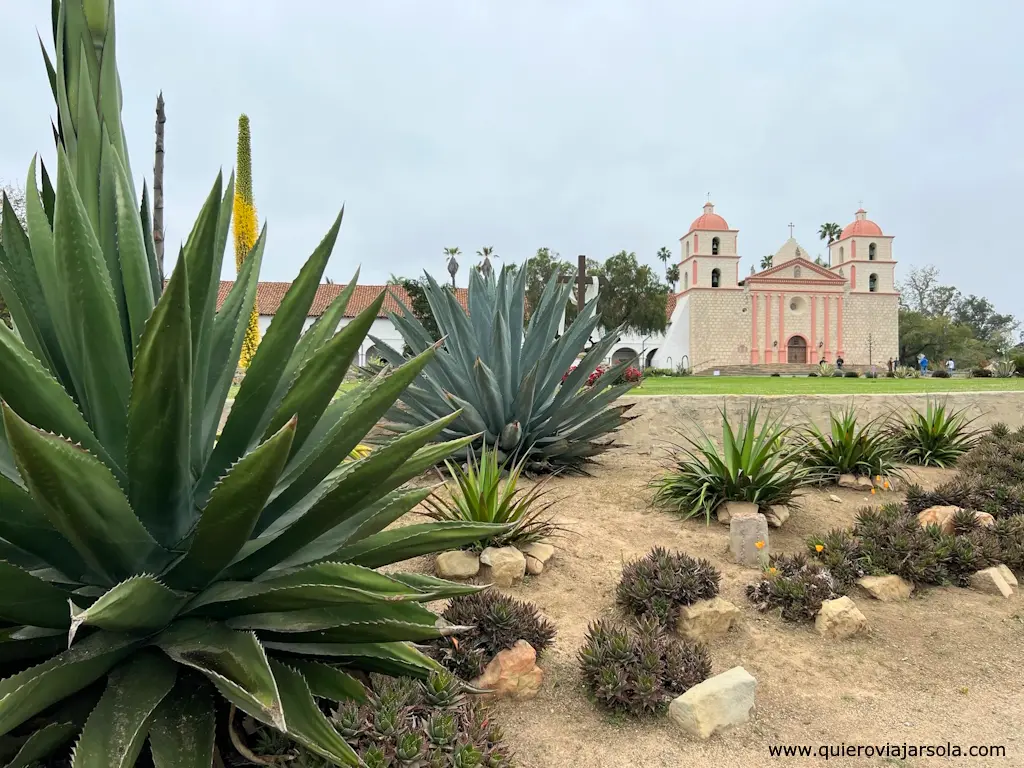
{"x":987,"y":325}
{"x":539,"y":270}
{"x":631,"y":295}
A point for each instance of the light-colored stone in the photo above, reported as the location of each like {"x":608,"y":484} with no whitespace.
{"x":1007,"y":575}
{"x":728,"y":509}
{"x":984,"y":519}
{"x":865,"y":483}
{"x":991,"y":582}
{"x":834,"y":499}
{"x":847,"y":481}
{"x":718,"y":703}
{"x":458,"y":564}
{"x":503,"y":566}
{"x":512,"y":674}
{"x":888,"y":589}
{"x":537,"y":556}
{"x":707,"y":619}
{"x":777,"y":515}
{"x":839,"y":619}
{"x":942,"y":516}
{"x":748,"y":538}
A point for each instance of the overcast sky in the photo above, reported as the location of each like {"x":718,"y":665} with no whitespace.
{"x":589,"y":127}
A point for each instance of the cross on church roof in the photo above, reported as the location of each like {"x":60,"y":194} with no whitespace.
{"x":791,"y":230}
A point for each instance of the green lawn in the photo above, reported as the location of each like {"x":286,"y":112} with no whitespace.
{"x":809,"y":385}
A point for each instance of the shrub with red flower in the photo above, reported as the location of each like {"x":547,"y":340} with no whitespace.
{"x":597,"y":374}
{"x":633,"y":375}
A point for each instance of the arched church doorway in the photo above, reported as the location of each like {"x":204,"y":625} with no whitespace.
{"x":650,"y":357}
{"x":797,"y":349}
{"x":622,"y":354}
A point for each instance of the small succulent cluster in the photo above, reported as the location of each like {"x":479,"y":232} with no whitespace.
{"x":497,"y":622}
{"x":662,"y":581}
{"x":639,"y":672}
{"x":406,"y":723}
{"x":840,"y":552}
{"x":794,"y":586}
{"x":894,"y":541}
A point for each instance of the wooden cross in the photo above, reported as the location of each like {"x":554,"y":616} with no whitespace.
{"x":580,"y":280}
{"x":791,"y":230}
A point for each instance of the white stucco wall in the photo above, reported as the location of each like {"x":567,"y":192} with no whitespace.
{"x":676,"y":344}
{"x":382,"y":328}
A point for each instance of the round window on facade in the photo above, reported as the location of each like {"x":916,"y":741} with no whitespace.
{"x":797,"y":304}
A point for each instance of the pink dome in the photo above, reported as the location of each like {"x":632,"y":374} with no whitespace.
{"x":709,"y":220}
{"x":862,"y":226}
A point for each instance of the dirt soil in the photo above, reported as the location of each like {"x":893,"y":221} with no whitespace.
{"x":942,"y":667}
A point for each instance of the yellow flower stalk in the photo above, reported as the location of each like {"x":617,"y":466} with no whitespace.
{"x":245,"y":224}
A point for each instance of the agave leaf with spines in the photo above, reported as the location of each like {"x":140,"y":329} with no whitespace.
{"x":148,"y":569}
{"x":506,"y":382}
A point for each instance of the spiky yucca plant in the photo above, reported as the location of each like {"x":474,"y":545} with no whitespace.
{"x":935,"y":438}
{"x":245,"y":229}
{"x":507,"y":379}
{"x":153,"y":575}
{"x":850,"y":446}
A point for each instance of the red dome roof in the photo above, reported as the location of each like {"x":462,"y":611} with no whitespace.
{"x":709,"y":220}
{"x":862,"y":226}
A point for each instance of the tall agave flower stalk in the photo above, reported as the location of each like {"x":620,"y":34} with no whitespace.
{"x":153,"y":575}
{"x":511,"y":385}
{"x":246,"y":230}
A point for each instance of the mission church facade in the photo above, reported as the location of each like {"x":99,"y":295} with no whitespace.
{"x":794,"y":312}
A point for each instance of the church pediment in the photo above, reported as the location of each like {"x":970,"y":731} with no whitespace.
{"x":797,"y":268}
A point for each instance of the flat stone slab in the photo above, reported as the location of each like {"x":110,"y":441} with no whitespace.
{"x":887,"y":588}
{"x":748,"y":538}
{"x":707,"y":619}
{"x":991,"y":582}
{"x":457,"y":564}
{"x":730,"y":508}
{"x":718,"y":703}
{"x":503,"y":566}
{"x":1007,"y":575}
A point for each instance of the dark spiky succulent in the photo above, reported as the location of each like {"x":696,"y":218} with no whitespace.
{"x":999,"y":429}
{"x":638,"y":672}
{"x":662,"y":581}
{"x":794,"y":586}
{"x":1009,"y":536}
{"x":406,"y":723}
{"x":840,"y":552}
{"x":497,"y":621}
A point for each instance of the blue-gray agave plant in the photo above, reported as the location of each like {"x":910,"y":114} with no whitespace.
{"x":507,"y":380}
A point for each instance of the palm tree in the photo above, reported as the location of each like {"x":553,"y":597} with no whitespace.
{"x":672,"y":275}
{"x":485,"y":255}
{"x":830,"y":231}
{"x":453,"y":265}
{"x":766,"y":261}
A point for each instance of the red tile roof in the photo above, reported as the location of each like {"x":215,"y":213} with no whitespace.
{"x":269,"y":296}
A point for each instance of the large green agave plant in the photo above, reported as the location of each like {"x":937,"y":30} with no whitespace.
{"x":509,"y":384}
{"x":152,"y":575}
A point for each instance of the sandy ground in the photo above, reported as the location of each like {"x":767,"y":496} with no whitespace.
{"x":942,"y":667}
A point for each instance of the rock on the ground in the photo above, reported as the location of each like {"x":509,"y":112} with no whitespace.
{"x":991,"y":582}
{"x":839,"y":619}
{"x":1007,"y":574}
{"x":847,"y":481}
{"x":748,"y":538}
{"x":942,"y":516}
{"x":728,"y":509}
{"x":503,"y":566}
{"x":512,"y":673}
{"x":777,"y":515}
{"x":888,"y":589}
{"x":865,"y":483}
{"x":718,"y":703}
{"x":537,"y":555}
{"x":707,"y":619}
{"x":458,"y":564}
{"x":833,"y":498}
